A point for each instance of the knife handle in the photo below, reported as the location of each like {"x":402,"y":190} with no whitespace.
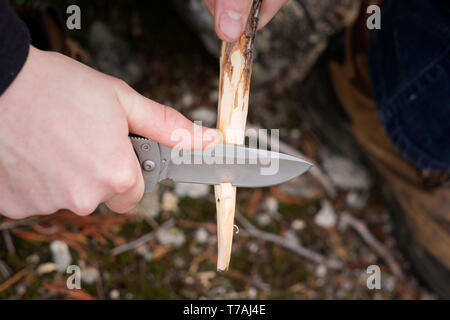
{"x":149,"y":157}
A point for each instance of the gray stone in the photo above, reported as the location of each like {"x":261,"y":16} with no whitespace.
{"x":201,"y":235}
{"x":326,"y":217}
{"x":356,"y":200}
{"x":149,"y":206}
{"x":345,"y":173}
{"x":89,"y":275}
{"x":270,"y":205}
{"x":170,"y":236}
{"x":302,"y":186}
{"x":263,"y":219}
{"x":298,"y":225}
{"x":321,"y":271}
{"x":114,"y":294}
{"x":145,"y":252}
{"x":61,"y":255}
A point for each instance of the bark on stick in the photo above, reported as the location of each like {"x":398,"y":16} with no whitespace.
{"x":235,"y":73}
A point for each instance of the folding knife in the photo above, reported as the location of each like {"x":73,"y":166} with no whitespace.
{"x":238,"y":165}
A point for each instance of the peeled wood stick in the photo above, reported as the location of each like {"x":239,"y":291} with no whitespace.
{"x":235,"y":73}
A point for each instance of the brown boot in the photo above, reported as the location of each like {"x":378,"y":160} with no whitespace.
{"x":419,"y":200}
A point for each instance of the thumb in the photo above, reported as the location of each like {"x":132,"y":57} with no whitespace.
{"x":161,"y":123}
{"x":230,"y":18}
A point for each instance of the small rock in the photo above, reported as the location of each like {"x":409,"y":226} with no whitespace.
{"x":61,"y":255}
{"x":298,"y":225}
{"x":169,"y":201}
{"x":263,"y":219}
{"x":170,"y":237}
{"x":355,"y":200}
{"x":344,"y":173}
{"x":201,"y":235}
{"x":302,"y":186}
{"x":129,"y":296}
{"x":270,"y":204}
{"x":204,"y":114}
{"x":253,"y":247}
{"x":114,"y":294}
{"x":388,"y":283}
{"x":21,"y":289}
{"x":321,"y":271}
{"x":33,"y":259}
{"x":145,"y":252}
{"x":192,"y":190}
{"x":149,"y":206}
{"x":47,"y":267}
{"x":89,"y":275}
{"x":252,"y":293}
{"x":326,"y":217}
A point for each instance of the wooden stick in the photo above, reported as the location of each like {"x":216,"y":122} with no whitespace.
{"x":235,"y":73}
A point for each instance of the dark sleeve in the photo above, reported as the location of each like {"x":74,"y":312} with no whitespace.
{"x":14,"y":44}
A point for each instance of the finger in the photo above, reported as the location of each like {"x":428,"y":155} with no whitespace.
{"x":161,"y":123}
{"x":268,"y":10}
{"x":127,"y":200}
{"x":230,"y":18}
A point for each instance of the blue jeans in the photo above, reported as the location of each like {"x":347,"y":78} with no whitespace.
{"x":409,"y":65}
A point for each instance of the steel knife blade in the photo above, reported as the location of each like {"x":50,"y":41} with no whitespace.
{"x":238,"y":165}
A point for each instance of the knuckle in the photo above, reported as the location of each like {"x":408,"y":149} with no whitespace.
{"x":44,"y":209}
{"x":84,"y":206}
{"x":124,"y":179}
{"x":121,"y":84}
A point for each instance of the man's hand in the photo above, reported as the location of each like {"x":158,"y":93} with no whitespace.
{"x":64,"y":138}
{"x":230,"y":16}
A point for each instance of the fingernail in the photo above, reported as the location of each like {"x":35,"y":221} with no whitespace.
{"x":231,"y":24}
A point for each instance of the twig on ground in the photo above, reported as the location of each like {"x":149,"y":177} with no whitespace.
{"x":382,"y":251}
{"x":13,"y":224}
{"x":290,"y":245}
{"x":19,"y":275}
{"x":4,"y":270}
{"x":140,"y":241}
{"x":8,"y":242}
{"x":315,"y":170}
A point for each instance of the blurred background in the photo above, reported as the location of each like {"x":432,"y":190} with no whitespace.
{"x":310,"y":238}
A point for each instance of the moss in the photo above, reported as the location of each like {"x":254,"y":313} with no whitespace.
{"x":197,"y":209}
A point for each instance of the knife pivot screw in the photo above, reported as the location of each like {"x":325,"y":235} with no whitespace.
{"x":148,"y":165}
{"x":145,"y":147}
